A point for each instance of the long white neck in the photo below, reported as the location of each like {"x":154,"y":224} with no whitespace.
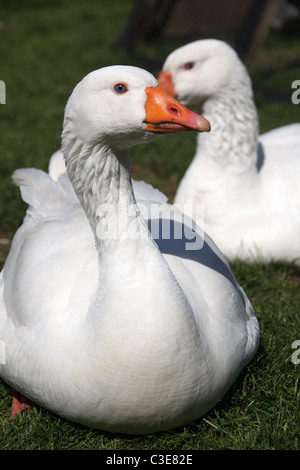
{"x":224,"y":164}
{"x":232,"y":142}
{"x":135,"y":283}
{"x":102,"y":182}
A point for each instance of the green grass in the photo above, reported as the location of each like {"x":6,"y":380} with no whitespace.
{"x":45,"y":49}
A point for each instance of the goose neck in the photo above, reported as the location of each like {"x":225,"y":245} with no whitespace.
{"x":101,"y":179}
{"x":234,"y":129}
{"x":129,"y":260}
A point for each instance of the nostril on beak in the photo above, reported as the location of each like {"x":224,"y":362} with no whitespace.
{"x":174,"y":110}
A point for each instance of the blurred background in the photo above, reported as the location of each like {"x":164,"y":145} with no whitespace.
{"x":47,"y":47}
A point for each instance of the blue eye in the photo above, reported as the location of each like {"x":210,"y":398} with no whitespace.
{"x":189,"y":65}
{"x":121,"y":88}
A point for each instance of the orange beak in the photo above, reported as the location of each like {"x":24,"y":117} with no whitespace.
{"x":165,"y":81}
{"x":164,"y":114}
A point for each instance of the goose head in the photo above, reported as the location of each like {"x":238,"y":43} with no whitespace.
{"x":121,"y":106}
{"x":202,"y":70}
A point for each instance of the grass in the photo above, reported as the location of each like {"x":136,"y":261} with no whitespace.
{"x":45,"y":49}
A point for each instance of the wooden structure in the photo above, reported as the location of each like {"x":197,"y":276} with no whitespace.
{"x":195,"y":19}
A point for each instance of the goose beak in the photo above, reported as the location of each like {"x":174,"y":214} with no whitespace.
{"x":165,"y":115}
{"x":166,"y":82}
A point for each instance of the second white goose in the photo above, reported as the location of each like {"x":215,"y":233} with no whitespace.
{"x":247,"y":184}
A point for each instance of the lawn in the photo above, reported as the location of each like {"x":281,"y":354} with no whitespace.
{"x":45,"y":49}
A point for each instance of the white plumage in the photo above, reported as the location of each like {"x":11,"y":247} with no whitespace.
{"x":121,"y":333}
{"x":142,"y":190}
{"x":248,"y":184}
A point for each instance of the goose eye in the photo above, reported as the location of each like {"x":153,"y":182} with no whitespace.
{"x":121,"y":88}
{"x":189,"y":65}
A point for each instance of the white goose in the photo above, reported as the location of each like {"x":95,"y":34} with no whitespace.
{"x":98,"y":322}
{"x":248,"y":185}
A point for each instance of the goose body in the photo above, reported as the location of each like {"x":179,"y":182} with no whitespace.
{"x":106,"y":319}
{"x":247,"y":184}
